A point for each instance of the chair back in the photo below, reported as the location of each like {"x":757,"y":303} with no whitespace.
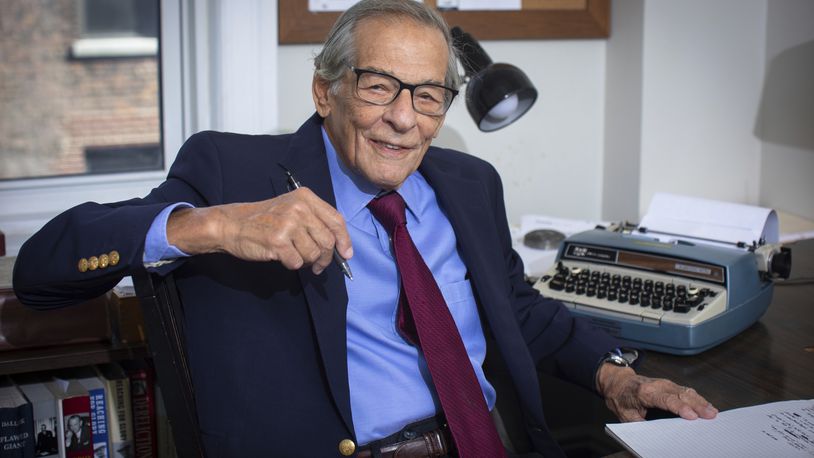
{"x":163,"y":322}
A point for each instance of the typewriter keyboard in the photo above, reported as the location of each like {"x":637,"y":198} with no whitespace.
{"x":648,"y":296}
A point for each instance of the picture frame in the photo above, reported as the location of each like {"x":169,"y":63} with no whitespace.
{"x":537,"y":19}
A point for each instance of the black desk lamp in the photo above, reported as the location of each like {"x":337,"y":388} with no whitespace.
{"x":496,"y":94}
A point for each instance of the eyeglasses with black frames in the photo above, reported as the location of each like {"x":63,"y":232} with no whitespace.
{"x":382,"y":89}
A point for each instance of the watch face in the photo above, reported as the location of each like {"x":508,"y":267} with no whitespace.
{"x":622,"y":356}
{"x":629,"y":354}
{"x":617,"y":360}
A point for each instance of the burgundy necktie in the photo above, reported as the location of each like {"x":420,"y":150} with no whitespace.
{"x":425,"y":315}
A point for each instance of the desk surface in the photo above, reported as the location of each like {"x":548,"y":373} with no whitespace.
{"x":773,"y":360}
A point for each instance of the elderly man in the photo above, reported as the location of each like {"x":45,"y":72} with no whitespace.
{"x":289,"y":357}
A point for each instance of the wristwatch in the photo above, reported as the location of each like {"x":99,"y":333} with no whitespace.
{"x":622,"y":356}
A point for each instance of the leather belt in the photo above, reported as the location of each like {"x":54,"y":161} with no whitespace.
{"x":433,"y":443}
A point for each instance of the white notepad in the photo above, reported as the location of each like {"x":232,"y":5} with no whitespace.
{"x":779,"y":429}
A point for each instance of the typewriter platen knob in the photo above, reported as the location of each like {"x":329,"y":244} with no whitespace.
{"x":780,"y":264}
{"x":774,"y":260}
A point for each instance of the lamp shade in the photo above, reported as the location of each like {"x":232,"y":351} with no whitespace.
{"x":496,"y":94}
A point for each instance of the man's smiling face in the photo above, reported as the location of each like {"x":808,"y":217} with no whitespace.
{"x":385,"y":144}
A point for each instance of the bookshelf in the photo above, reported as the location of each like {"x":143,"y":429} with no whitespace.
{"x":98,"y":331}
{"x":35,"y":348}
{"x":66,"y":356}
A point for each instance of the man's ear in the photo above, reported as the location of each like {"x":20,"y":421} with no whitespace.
{"x":319,"y":90}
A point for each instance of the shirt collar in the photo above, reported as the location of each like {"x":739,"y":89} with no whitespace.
{"x":353,"y":192}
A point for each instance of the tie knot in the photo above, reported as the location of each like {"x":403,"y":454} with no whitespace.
{"x":389,"y":210}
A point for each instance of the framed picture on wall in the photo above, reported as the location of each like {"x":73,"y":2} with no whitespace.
{"x":536,"y":19}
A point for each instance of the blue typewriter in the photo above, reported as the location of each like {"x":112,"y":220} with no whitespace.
{"x":676,"y":297}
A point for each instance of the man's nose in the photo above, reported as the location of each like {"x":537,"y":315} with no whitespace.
{"x":401,"y":114}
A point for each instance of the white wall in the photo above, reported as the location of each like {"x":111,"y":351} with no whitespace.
{"x":623,"y":113}
{"x":786,"y":121}
{"x":672,"y":102}
{"x":550,"y":160}
{"x":702,"y":77}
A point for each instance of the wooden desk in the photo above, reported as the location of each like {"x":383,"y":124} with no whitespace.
{"x":773,"y":360}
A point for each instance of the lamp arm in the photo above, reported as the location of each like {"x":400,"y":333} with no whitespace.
{"x":473,"y":57}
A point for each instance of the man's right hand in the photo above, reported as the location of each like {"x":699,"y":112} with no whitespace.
{"x":297,"y":229}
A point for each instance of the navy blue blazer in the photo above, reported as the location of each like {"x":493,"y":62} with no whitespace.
{"x":267,"y":345}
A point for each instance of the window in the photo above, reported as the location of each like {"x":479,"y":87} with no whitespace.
{"x":132,"y":158}
{"x":55,"y":107}
{"x":116,"y":28}
{"x":108,"y":18}
{"x":88,"y":125}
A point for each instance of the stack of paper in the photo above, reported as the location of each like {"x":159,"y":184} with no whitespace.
{"x":780,"y":429}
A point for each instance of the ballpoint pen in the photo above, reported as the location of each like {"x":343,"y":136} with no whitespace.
{"x":340,"y":261}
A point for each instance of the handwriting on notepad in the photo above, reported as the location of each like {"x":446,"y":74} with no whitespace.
{"x":793,"y":427}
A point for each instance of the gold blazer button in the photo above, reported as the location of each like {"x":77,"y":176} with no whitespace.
{"x":82,"y":265}
{"x":93,"y":263}
{"x":104,"y":260}
{"x":347,"y":447}
{"x":114,"y":257}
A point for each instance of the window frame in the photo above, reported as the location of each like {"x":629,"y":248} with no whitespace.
{"x":83,"y":9}
{"x":92,"y":45}
{"x":26,"y":204}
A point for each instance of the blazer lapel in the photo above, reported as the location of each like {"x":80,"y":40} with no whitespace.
{"x":325,"y":294}
{"x":461,"y":198}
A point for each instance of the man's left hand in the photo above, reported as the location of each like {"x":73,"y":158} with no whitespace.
{"x":629,"y":395}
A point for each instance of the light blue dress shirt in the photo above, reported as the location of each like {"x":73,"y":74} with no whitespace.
{"x":157,"y":249}
{"x":389,"y":381}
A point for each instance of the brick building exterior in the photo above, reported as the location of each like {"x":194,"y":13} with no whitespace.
{"x":56,"y":107}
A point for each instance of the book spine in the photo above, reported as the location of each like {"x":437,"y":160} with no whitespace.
{"x":120,"y":419}
{"x":166,"y":442}
{"x":45,"y":427}
{"x":17,"y":432}
{"x":60,"y":430}
{"x":76,"y":419}
{"x":142,"y":392}
{"x":98,"y":422}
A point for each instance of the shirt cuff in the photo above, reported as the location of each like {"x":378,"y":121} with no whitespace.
{"x":157,"y":250}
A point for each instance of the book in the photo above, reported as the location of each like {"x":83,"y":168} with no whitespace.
{"x":166,"y":442}
{"x":16,"y":423}
{"x":74,"y":436}
{"x":44,"y":408}
{"x":88,"y":378}
{"x":127,"y":318}
{"x":778,"y":429}
{"x":142,"y":392}
{"x":119,"y":410}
